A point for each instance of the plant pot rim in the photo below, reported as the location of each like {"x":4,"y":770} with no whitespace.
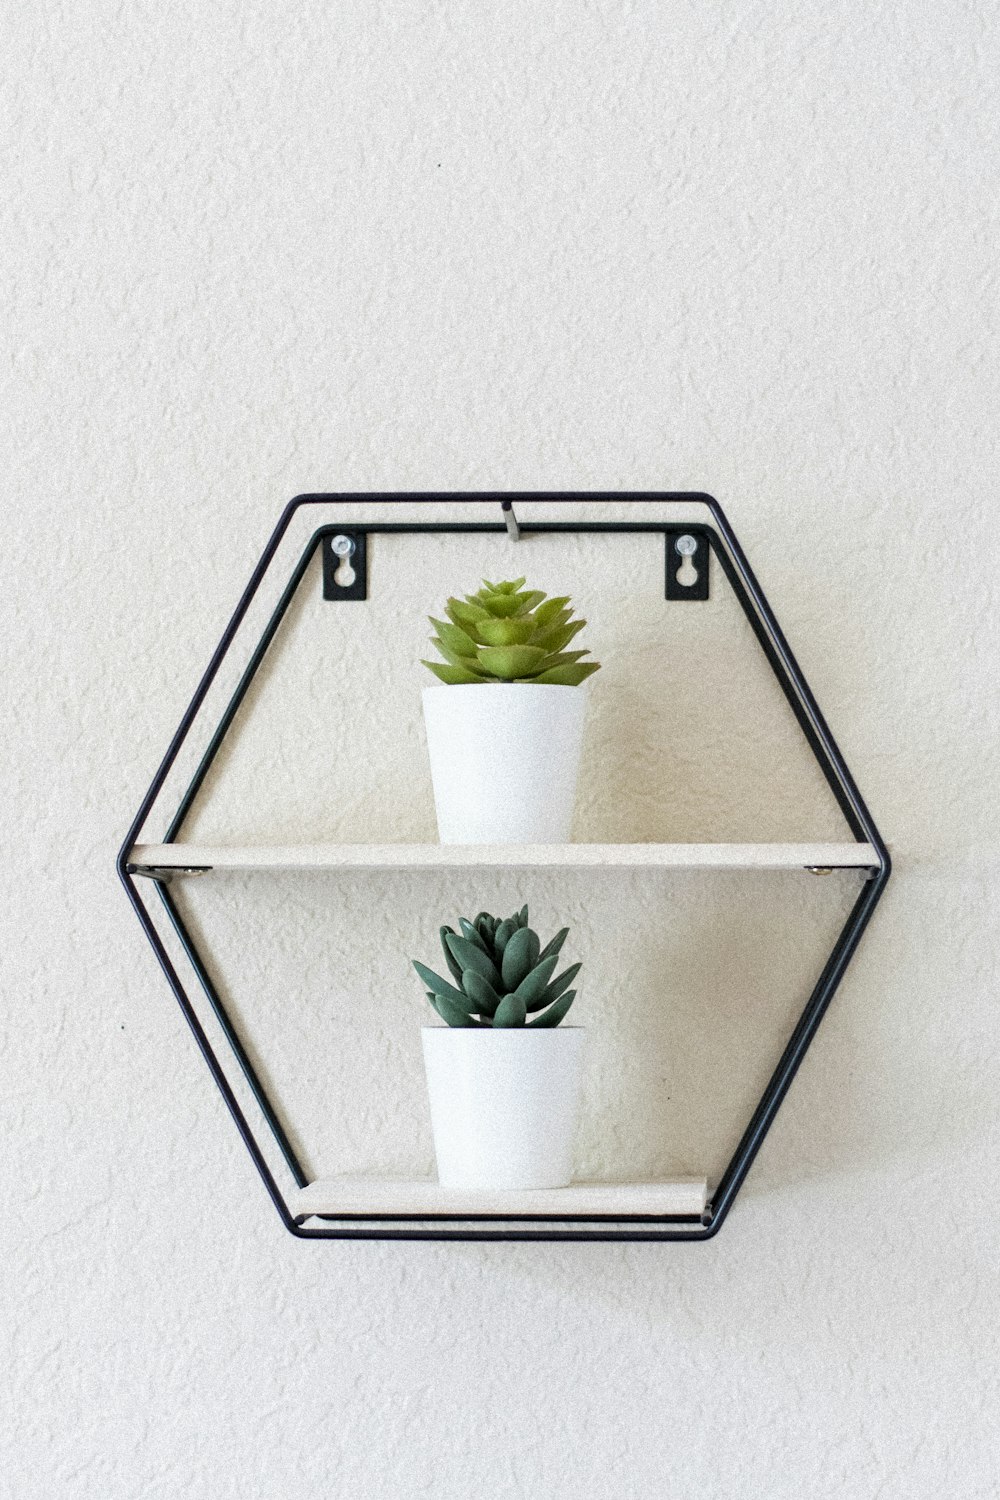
{"x":535,"y":1031}
{"x":477,"y":687}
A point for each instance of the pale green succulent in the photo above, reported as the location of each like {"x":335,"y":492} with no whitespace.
{"x":500,"y":974}
{"x":506,"y":633}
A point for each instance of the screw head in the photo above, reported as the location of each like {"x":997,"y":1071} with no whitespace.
{"x":687,"y":546}
{"x":342,"y":546}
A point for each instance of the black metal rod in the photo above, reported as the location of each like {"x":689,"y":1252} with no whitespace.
{"x":232,"y":1036}
{"x":242,"y":688}
{"x":788,"y":1065}
{"x":201,"y":691}
{"x":788,"y":686}
{"x":205,"y":1047}
{"x":599,"y":1236}
{"x":794,"y":672}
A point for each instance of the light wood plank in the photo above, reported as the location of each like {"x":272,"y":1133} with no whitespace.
{"x":358,"y":1195}
{"x":504,"y":856}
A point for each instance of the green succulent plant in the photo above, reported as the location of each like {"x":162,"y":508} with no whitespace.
{"x":507,"y":633}
{"x":500,"y":974}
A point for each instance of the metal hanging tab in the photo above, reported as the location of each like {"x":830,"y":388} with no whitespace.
{"x":513,"y":529}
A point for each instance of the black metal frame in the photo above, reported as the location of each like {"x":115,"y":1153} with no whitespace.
{"x":727,"y":550}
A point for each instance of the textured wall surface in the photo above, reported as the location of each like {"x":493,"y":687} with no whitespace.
{"x":249,"y":252}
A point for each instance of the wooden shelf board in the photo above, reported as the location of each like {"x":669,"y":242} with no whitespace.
{"x":352,"y":1196}
{"x":502,"y":856}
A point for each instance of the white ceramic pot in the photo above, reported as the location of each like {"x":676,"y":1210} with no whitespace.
{"x":504,"y":761}
{"x":504,"y":1104}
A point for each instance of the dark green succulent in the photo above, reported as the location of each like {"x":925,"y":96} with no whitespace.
{"x":507,"y":633}
{"x":500,"y":974}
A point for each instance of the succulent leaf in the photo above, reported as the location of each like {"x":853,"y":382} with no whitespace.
{"x":454,"y":636}
{"x":516,"y":632}
{"x":553,"y":946}
{"x":559,"y":636}
{"x":441,"y":987}
{"x":532,"y":599}
{"x":545,"y":614}
{"x":464,"y":614}
{"x":533,"y":985}
{"x":504,"y":933}
{"x":475,"y":936}
{"x":452,"y":675}
{"x":503,"y":606}
{"x":510,"y":662}
{"x":519,"y":957}
{"x":451,"y":1013}
{"x":482,"y":994}
{"x":449,"y":957}
{"x":556,"y":1012}
{"x":556,"y":988}
{"x":466,"y":663}
{"x":570,"y":676}
{"x":470,"y":956}
{"x":562,"y":659}
{"x":510,"y":1012}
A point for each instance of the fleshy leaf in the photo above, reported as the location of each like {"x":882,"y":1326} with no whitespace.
{"x":563,"y":659}
{"x":501,"y":606}
{"x":449,"y":957}
{"x":556,"y":1012}
{"x":532,"y":599}
{"x":508,"y":662}
{"x":482,"y":994}
{"x":504,"y":933}
{"x":557,"y":987}
{"x":505,"y":632}
{"x":463,"y":613}
{"x":451,"y":1013}
{"x":458,"y":660}
{"x":470,"y":956}
{"x":559,"y":636}
{"x":510,"y":1012}
{"x":570,"y":676}
{"x":532,"y":987}
{"x":452,"y":675}
{"x":470,"y":931}
{"x":454,"y":636}
{"x":441,"y":986}
{"x":553,"y":946}
{"x":546,"y":613}
{"x":519,"y":957}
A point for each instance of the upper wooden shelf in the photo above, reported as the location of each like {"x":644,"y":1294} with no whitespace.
{"x":194,"y":857}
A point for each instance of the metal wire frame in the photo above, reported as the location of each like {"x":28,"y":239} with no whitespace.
{"x":781,"y":660}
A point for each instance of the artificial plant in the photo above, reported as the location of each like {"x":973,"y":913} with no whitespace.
{"x":506,"y":633}
{"x":500,"y":974}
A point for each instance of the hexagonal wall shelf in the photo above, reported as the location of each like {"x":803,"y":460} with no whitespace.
{"x":692,"y":530}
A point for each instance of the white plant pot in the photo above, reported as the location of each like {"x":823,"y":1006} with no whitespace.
{"x":504,"y":1104}
{"x":504,"y":761}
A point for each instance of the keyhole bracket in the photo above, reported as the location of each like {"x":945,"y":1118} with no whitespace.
{"x":345,"y":553}
{"x":687,"y":554}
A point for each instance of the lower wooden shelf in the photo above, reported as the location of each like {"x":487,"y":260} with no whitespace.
{"x":355,"y":1197}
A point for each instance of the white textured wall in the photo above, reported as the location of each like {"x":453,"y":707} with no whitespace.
{"x":250,"y":250}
